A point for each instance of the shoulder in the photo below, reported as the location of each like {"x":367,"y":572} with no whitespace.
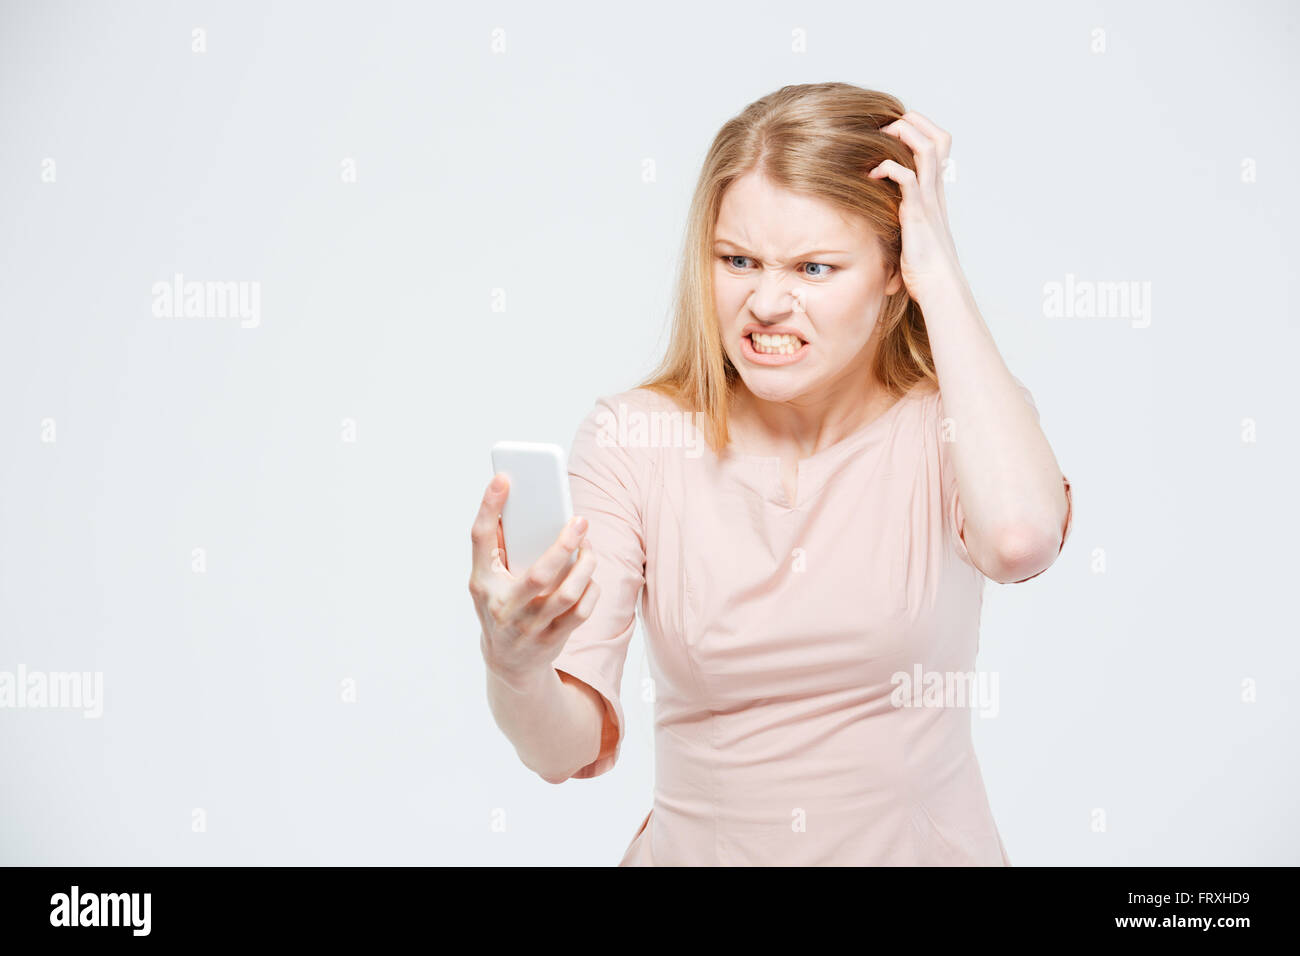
{"x":618,"y":430}
{"x":633,"y":412}
{"x":922,"y":403}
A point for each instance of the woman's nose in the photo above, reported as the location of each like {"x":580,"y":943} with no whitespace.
{"x":775,"y":298}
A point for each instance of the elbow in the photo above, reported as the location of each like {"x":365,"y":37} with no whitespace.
{"x":1025,"y":553}
{"x":549,"y":774}
{"x":553,"y":772}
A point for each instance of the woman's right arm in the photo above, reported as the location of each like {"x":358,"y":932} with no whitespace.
{"x":554,"y":720}
{"x":554,"y":723}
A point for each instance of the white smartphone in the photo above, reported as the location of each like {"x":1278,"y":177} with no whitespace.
{"x":538,"y":504}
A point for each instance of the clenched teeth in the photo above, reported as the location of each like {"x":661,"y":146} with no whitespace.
{"x":776,"y":344}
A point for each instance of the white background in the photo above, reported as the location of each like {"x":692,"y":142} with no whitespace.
{"x":522,"y":171}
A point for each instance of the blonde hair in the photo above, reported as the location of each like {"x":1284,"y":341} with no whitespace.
{"x":820,"y":140}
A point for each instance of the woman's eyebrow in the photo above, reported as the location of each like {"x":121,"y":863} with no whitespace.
{"x":802,"y":255}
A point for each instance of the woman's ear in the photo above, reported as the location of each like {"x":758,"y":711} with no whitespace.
{"x":895,"y":282}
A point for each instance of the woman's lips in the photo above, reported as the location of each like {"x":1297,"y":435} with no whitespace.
{"x":770,"y":358}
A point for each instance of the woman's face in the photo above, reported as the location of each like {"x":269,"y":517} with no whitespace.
{"x":784,"y":262}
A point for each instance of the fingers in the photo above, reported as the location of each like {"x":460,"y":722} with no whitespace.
{"x":924,"y":150}
{"x":551,"y":566}
{"x":485,"y":534}
{"x":942,"y":147}
{"x":567,"y":623}
{"x":499,"y":555}
{"x":570,"y":590}
{"x":899,"y":173}
{"x":941,"y":138}
{"x":931,"y":146}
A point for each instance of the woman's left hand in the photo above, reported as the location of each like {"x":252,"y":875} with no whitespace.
{"x":929,"y":256}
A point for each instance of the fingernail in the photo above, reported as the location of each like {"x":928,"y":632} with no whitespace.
{"x":498,"y":482}
{"x":580,"y":525}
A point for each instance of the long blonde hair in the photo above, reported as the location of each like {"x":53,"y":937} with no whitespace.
{"x":820,"y":140}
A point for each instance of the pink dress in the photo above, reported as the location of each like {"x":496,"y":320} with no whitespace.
{"x":776,"y":632}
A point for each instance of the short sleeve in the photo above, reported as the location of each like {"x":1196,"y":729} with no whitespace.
{"x":954,"y":515}
{"x":606,"y":481}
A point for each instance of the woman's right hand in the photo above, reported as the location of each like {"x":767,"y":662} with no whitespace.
{"x":527,"y":618}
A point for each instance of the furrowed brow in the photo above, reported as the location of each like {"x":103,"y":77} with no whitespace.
{"x":803,"y":256}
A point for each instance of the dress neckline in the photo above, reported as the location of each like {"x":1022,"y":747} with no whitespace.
{"x":811,"y":472}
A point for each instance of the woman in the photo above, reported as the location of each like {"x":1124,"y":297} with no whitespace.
{"x":829,"y":545}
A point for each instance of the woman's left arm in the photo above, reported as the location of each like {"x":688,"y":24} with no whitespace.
{"x":1011,"y":488}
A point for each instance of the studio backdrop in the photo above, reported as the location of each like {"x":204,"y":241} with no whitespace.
{"x":275,"y":276}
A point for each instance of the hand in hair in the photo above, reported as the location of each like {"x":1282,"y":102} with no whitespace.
{"x":929,"y":255}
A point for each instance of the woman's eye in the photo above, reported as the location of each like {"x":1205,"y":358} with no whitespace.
{"x":743,"y":262}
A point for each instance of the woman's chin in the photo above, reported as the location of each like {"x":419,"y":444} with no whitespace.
{"x":763,"y":385}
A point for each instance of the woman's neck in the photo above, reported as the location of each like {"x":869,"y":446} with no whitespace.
{"x":806,"y":425}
